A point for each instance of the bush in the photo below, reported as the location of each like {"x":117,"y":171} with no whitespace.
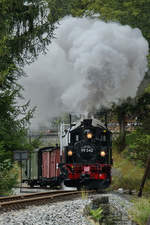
{"x":8,"y":177}
{"x":138,"y":146}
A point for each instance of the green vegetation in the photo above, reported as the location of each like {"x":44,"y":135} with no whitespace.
{"x":8,"y":177}
{"x":138,"y":149}
{"x":140,"y":212}
{"x":127,"y":173}
{"x":130,"y":160}
{"x":124,"y":178}
{"x":84,"y":194}
{"x":133,"y":13}
{"x":25,"y":31}
{"x":96,"y":214}
{"x":137,"y":110}
{"x":122,"y":111}
{"x":93,"y":215}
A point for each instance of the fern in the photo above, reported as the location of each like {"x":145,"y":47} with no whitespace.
{"x":96,"y":214}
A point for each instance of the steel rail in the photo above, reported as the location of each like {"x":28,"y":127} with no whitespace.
{"x":29,"y":195}
{"x":38,"y":199}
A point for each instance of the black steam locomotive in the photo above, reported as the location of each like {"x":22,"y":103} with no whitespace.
{"x":86,"y":154}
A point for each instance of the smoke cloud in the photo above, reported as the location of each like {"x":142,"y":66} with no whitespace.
{"x":89,"y":64}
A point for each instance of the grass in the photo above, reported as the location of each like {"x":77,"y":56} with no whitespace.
{"x":129,"y":174}
{"x":140,"y":212}
{"x":130,"y":177}
{"x":84,"y":194}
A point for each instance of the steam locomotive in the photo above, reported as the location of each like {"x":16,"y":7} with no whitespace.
{"x":86,"y":155}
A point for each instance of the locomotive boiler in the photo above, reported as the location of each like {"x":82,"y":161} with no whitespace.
{"x":86,"y":154}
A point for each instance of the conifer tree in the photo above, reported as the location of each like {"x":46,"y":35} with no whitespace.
{"x":26,"y":28}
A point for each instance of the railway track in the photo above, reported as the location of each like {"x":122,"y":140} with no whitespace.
{"x":22,"y":201}
{"x":35,"y":187}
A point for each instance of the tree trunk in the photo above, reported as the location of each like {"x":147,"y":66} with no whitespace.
{"x":122,"y":134}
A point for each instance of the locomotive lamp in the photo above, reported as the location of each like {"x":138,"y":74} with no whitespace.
{"x":89,"y":135}
{"x":102,"y":153}
{"x":69,"y":153}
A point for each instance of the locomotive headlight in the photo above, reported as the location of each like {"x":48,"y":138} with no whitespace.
{"x":102,"y":153}
{"x":69,"y":153}
{"x":89,"y":135}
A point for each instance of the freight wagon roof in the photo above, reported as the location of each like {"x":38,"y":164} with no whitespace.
{"x":95,"y":123}
{"x":49,"y":149}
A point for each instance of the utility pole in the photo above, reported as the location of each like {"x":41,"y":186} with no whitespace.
{"x":144,"y":177}
{"x":148,"y":222}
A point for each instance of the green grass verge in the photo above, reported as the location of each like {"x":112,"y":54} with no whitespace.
{"x":140,"y":212}
{"x":129,"y":174}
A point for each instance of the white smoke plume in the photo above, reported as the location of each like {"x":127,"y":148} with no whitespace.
{"x":90,"y":63}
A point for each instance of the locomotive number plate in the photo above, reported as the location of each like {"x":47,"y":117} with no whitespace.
{"x":87,"y":149}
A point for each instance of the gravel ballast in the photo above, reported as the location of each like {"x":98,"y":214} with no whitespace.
{"x":61,"y":213}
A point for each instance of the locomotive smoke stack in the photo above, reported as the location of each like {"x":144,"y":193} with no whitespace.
{"x":90,"y":115}
{"x":84,"y":115}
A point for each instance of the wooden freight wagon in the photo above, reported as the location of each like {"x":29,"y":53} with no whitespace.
{"x":50,"y":166}
{"x":30,"y":168}
{"x":42,"y":168}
